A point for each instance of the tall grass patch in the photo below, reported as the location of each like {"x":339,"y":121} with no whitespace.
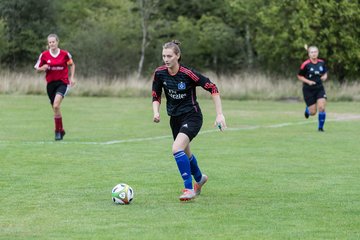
{"x":245,"y":86}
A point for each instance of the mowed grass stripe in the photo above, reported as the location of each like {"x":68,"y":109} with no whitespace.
{"x":279,"y":125}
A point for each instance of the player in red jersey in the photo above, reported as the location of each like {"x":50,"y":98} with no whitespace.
{"x":179,"y":84}
{"x":312,"y":73}
{"x":56,"y":63}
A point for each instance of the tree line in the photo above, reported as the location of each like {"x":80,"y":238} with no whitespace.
{"x":122,"y":37}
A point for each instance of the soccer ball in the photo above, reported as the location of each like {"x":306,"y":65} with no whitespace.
{"x":122,"y":194}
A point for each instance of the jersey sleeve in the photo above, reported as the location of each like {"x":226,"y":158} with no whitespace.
{"x":302,"y":70}
{"x":206,"y":84}
{"x":325,"y":69}
{"x":40,"y":62}
{"x":69,"y":59}
{"x":156,"y":88}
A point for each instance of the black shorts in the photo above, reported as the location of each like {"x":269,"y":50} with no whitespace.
{"x":188,"y":123}
{"x":311,"y":95}
{"x":56,"y":87}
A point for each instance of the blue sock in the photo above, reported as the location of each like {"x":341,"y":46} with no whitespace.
{"x":307,"y":110}
{"x":183,"y":164}
{"x":195,"y":170}
{"x":322,"y":117}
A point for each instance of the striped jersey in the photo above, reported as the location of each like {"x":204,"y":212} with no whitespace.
{"x":180,"y":89}
{"x":313,"y":71}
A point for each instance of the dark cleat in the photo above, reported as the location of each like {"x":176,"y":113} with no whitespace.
{"x":59,"y":135}
{"x":321,"y":130}
{"x":306,"y":114}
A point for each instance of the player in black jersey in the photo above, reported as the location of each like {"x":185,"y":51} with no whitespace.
{"x":312,"y":73}
{"x":179,"y":84}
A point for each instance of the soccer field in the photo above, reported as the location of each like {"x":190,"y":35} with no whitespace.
{"x":271,"y":174}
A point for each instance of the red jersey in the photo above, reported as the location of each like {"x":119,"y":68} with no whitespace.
{"x":58,"y":65}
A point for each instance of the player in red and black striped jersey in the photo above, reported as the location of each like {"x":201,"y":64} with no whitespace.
{"x":179,"y":85}
{"x":55,"y":62}
{"x":180,"y":89}
{"x":312,"y":73}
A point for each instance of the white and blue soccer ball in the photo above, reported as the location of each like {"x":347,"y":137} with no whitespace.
{"x":122,"y":194}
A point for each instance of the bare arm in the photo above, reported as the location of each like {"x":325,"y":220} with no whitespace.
{"x":156,"y":111}
{"x":72,"y":74}
{"x":220,"y":119}
{"x":324,"y":77}
{"x":304,"y":80}
{"x":43,"y":68}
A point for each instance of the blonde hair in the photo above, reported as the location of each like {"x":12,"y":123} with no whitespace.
{"x":312,"y":47}
{"x":174,"y":45}
{"x":54,"y":36}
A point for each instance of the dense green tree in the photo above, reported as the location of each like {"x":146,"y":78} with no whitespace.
{"x":27,"y":23}
{"x":194,"y":9}
{"x":340,"y":33}
{"x":286,"y":26}
{"x":217,"y":43}
{"x":3,"y":41}
{"x":208,"y":41}
{"x":243,"y":20}
{"x":74,"y":16}
{"x":121,"y":37}
{"x":104,"y":37}
{"x":147,"y":10}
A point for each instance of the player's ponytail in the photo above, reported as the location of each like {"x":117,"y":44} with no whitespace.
{"x":306,"y":47}
{"x":177,"y":42}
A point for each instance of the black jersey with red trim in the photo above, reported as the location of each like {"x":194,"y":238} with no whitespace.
{"x":313,"y":71}
{"x":180,"y":89}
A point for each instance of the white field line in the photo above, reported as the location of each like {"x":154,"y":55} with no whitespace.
{"x":245,"y":128}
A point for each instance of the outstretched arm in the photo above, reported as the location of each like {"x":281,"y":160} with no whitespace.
{"x":220,"y":119}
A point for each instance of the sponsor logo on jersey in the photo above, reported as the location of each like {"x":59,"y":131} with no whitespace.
{"x":57,"y":68}
{"x":321,"y":68}
{"x":49,"y":61}
{"x":175,"y":95}
{"x":181,"y":86}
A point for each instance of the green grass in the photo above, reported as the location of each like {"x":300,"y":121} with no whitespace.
{"x":271,"y":174}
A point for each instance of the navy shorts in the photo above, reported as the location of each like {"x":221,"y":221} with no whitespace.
{"x":188,"y":123}
{"x":56,"y":87}
{"x":311,"y":95}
